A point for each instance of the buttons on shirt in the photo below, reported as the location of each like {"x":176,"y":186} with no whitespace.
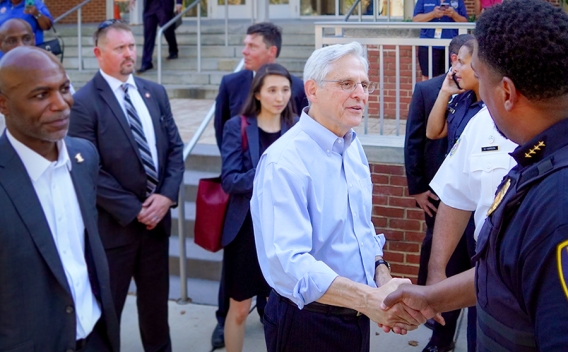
{"x":69,"y":309}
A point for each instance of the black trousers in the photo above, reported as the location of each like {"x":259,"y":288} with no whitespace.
{"x":97,"y":341}
{"x":145,"y":260}
{"x":459,"y":262}
{"x":153,"y":16}
{"x":289,"y":329}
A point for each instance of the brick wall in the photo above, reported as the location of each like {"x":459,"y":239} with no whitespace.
{"x":95,"y":11}
{"x":395,"y":215}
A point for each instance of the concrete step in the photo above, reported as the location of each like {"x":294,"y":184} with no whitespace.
{"x":200,"y":264}
{"x":191,"y":180}
{"x":205,"y":157}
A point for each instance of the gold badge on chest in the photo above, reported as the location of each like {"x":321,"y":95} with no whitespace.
{"x":499,"y":197}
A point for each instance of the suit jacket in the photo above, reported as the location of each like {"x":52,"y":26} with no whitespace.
{"x":98,"y":117}
{"x":35,"y":300}
{"x":422,"y":156}
{"x":233,"y":93}
{"x":238,"y":171}
{"x":165,"y":6}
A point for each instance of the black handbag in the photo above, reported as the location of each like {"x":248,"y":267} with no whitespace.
{"x":55,"y":46}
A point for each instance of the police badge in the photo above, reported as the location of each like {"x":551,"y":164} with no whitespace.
{"x":562,"y":258}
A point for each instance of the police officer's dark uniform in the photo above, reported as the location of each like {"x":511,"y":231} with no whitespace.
{"x":522,"y":299}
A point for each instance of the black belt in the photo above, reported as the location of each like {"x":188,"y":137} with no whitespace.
{"x":316,"y":307}
{"x":80,"y":344}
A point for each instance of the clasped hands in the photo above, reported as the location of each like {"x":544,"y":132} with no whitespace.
{"x":153,"y":210}
{"x":399,"y":306}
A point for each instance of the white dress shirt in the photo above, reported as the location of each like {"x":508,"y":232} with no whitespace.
{"x":468,"y":178}
{"x":139,"y":105}
{"x":56,"y":193}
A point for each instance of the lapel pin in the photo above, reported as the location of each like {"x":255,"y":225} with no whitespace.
{"x":79,"y":158}
{"x":147,"y":95}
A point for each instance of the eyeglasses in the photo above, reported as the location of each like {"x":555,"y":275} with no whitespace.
{"x":104,"y":25}
{"x":349,"y":86}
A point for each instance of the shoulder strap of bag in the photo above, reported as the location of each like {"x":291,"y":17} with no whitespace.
{"x":244,"y":125}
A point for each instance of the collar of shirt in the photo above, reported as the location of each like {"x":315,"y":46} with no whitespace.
{"x":324,"y":138}
{"x":116,"y":84}
{"x":542,"y":145}
{"x":34,"y":163}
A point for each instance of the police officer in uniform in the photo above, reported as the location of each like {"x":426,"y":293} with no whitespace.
{"x":519,"y":283}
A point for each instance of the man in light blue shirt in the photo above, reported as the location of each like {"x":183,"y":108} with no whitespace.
{"x":311,"y":209}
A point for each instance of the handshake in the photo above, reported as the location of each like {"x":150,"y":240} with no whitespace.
{"x":399,"y":306}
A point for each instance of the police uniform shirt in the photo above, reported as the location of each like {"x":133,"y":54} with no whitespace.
{"x":462,"y":108}
{"x":473,"y":169}
{"x":522,"y":268}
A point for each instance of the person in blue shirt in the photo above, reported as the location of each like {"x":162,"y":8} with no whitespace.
{"x":437,"y":11}
{"x":37,"y":16}
{"x":311,"y":210}
{"x":520,"y":280}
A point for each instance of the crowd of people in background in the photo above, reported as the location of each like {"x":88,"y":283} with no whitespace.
{"x":88,"y":181}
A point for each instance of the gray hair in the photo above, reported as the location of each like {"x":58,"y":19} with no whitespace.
{"x":319,"y":64}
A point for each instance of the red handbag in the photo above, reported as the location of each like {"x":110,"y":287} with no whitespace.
{"x":211,"y":206}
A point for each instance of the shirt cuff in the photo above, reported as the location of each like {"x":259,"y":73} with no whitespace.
{"x":381,"y":240}
{"x":313,"y":284}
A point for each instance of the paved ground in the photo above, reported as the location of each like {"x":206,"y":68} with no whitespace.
{"x":191,"y":326}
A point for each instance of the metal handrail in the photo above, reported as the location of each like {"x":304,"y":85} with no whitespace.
{"x":171,"y":23}
{"x":79,"y":28}
{"x":181,"y":200}
{"x":323,"y":37}
{"x":375,"y":10}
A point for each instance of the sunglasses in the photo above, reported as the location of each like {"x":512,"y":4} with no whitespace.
{"x":104,"y":25}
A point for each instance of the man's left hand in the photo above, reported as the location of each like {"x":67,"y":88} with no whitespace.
{"x":154,"y":209}
{"x":31,"y":10}
{"x":178,"y":8}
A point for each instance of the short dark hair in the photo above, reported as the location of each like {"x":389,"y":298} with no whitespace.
{"x":271,"y":34}
{"x":527,"y":41}
{"x":105,"y":26}
{"x":252,"y":105}
{"x":458,"y":41}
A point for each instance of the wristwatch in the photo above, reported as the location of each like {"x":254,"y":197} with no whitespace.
{"x":38,"y":16}
{"x":384,"y":262}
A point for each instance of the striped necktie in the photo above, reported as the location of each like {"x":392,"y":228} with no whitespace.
{"x":140,"y":138}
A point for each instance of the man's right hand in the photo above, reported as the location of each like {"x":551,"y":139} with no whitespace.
{"x":423,"y":201}
{"x":438,"y":12}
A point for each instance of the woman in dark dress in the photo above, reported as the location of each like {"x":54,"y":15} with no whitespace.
{"x":267,"y":114}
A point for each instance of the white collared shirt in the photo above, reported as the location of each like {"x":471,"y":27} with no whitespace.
{"x":139,"y":105}
{"x":56,"y":193}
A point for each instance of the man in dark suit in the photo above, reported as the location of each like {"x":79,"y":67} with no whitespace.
{"x":422,"y":158}
{"x":54,"y":281}
{"x":130,"y":122}
{"x":262,"y":46}
{"x":158,"y":12}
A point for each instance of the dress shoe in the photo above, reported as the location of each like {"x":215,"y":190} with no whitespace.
{"x":145,"y":68}
{"x":172,"y":56}
{"x":218,"y":337}
{"x":431,"y":347}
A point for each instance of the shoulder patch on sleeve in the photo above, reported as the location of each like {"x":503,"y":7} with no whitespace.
{"x":562,"y":257}
{"x":455,"y":147}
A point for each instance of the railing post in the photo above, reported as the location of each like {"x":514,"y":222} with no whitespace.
{"x":226,"y":22}
{"x":182,"y":250}
{"x":79,"y":37}
{"x":160,"y":56}
{"x":199,"y":37}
